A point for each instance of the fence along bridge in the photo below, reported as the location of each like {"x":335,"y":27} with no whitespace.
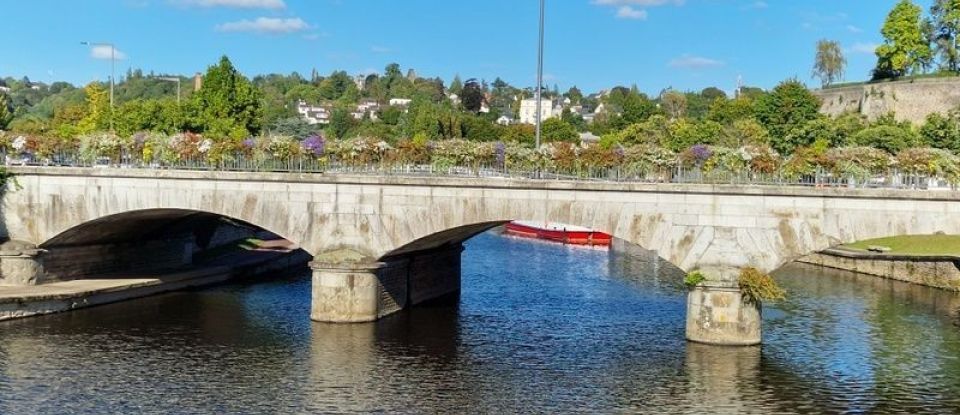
{"x":383,"y":243}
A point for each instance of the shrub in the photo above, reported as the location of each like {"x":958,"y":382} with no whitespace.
{"x":757,"y":287}
{"x":694,"y":279}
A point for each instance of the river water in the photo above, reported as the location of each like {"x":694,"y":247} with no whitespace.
{"x":539,"y":328}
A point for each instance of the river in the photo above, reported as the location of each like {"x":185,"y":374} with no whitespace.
{"x":539,"y":328}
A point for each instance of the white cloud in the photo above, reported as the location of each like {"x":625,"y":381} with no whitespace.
{"x":694,"y":62}
{"x":634,"y":9}
{"x":627,"y":12}
{"x":379,"y":49}
{"x":854,"y":29}
{"x":757,"y":5}
{"x":265,"y":25}
{"x":864,"y":48}
{"x":104,"y":52}
{"x":240,"y":4}
{"x":640,"y":3}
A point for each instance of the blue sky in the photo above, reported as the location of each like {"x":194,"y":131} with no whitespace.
{"x":594,"y":44}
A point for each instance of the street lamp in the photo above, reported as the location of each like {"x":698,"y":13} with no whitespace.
{"x":172,"y":79}
{"x":113,"y":71}
{"x":540,"y":77}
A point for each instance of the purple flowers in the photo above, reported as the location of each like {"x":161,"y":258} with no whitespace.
{"x":500,"y":151}
{"x":700,"y":153}
{"x":315,"y":145}
{"x":249,"y":143}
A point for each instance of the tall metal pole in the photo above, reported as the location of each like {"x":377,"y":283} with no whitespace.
{"x":113,"y":77}
{"x":540,"y":77}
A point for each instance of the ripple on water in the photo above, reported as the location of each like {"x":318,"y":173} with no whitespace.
{"x":539,"y":329}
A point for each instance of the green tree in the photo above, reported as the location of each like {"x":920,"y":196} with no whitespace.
{"x":905,"y":49}
{"x":456,"y":86}
{"x":728,"y":111}
{"x":886,"y":137}
{"x":574,"y":94}
{"x":472,"y":96}
{"x":789,"y":106}
{"x":748,"y":131}
{"x":945,"y":16}
{"x":941,"y":131}
{"x":555,"y":129}
{"x":6,"y":112}
{"x":341,"y":121}
{"x":829,"y":63}
{"x":227,"y":104}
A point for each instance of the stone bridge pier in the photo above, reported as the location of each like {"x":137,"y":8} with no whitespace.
{"x":351,"y":288}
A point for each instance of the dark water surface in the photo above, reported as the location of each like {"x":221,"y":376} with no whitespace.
{"x":539,"y":329}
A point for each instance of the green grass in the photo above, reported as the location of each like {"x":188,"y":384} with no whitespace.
{"x":914,"y":244}
{"x":934,"y":75}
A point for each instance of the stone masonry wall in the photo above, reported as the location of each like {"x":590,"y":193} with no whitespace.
{"x":67,"y":263}
{"x":939,"y":272}
{"x":909,"y":100}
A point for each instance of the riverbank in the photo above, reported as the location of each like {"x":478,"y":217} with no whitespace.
{"x":28,"y":301}
{"x":938,"y":271}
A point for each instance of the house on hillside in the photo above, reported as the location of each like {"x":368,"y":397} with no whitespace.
{"x":504,"y":120}
{"x":528,"y":110}
{"x":314,"y":114}
{"x":366,"y":108}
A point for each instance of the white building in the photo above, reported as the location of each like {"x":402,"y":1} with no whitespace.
{"x":366,"y":107}
{"x":314,"y":114}
{"x":400,"y":102}
{"x":528,"y":110}
{"x":504,"y":120}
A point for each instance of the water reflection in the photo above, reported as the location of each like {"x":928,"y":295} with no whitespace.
{"x":538,"y":329}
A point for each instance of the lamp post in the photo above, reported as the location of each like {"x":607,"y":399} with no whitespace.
{"x":113,"y":71}
{"x":172,"y":79}
{"x":540,"y":77}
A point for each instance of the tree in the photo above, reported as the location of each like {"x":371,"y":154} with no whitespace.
{"x":941,"y":131}
{"x":574,"y":94}
{"x":340,"y":123}
{"x":227,"y":104}
{"x":6,"y":112}
{"x":713,"y":93}
{"x":472,"y":96}
{"x":905,"y":49}
{"x":945,"y":18}
{"x":456,"y":86}
{"x":555,"y":129}
{"x":789,"y":106}
{"x":829,"y":63}
{"x":98,"y":109}
{"x":674,"y":103}
{"x":890,"y":138}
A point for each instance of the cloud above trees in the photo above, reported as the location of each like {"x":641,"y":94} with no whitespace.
{"x":634,"y":9}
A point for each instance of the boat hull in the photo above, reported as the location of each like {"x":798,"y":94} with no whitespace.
{"x":574,"y":237}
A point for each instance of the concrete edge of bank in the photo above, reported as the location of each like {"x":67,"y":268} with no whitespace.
{"x":941,"y":271}
{"x":73,"y":295}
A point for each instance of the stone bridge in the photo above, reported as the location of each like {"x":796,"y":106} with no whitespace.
{"x":384,"y":243}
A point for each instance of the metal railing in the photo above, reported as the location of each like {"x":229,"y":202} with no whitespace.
{"x":309,"y":165}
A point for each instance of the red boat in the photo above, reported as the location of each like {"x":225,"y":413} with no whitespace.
{"x":558,"y":232}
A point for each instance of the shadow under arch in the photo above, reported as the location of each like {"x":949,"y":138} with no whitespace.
{"x":160,"y":241}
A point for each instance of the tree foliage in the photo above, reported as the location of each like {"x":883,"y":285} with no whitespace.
{"x":227,"y":104}
{"x":945,"y":19}
{"x":789,"y":106}
{"x":829,"y":63}
{"x":906,"y":49}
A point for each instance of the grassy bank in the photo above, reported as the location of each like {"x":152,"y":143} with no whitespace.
{"x":914,"y":244}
